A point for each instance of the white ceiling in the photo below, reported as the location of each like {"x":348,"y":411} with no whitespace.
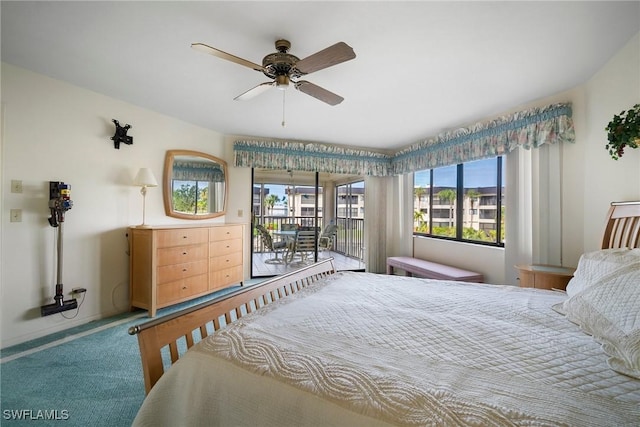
{"x":421,"y":67}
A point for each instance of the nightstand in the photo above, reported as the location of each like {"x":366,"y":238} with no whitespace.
{"x":544,"y":276}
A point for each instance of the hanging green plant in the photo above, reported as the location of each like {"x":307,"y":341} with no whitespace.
{"x":623,"y":131}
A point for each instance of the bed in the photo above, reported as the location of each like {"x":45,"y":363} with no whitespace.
{"x":320,"y":347}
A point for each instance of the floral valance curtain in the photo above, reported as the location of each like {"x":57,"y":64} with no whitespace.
{"x":529,"y":129}
{"x":197,"y":171}
{"x":310,"y":157}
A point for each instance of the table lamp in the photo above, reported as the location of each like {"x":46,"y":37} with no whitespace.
{"x":144,"y":179}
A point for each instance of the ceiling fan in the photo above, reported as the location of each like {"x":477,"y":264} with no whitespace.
{"x":284,"y":68}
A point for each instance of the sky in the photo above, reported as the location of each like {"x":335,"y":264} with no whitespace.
{"x":480,"y":173}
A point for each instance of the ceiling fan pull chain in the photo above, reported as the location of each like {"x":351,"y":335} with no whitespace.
{"x":283,"y":95}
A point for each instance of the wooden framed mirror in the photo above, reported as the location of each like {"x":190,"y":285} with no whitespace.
{"x":195,"y":185}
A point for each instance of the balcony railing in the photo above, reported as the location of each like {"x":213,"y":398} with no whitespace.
{"x":349,"y":239}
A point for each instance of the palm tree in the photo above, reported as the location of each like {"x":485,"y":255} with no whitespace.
{"x":448,"y":195}
{"x":418,"y":192}
{"x":418,"y":217}
{"x":270,"y":201}
{"x":473,"y":196}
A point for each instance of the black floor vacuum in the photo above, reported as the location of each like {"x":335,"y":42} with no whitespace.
{"x":59,"y":203}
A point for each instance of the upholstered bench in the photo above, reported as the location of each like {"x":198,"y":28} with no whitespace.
{"x":431,"y":270}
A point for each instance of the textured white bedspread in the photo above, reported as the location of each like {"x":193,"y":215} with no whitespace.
{"x":365,"y":350}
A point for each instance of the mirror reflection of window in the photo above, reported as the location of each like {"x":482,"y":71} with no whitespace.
{"x":191,"y":197}
{"x":195,"y":185}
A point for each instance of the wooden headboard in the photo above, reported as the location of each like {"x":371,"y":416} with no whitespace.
{"x":623,"y":226}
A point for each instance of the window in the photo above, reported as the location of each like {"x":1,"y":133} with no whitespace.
{"x":307,"y":212}
{"x":190,"y":196}
{"x":462,"y":202}
{"x":344,"y":199}
{"x":308,"y":199}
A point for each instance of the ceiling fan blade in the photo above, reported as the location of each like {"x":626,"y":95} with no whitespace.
{"x":255,"y":91}
{"x":333,"y":55}
{"x":224,"y":55}
{"x":318,"y":92}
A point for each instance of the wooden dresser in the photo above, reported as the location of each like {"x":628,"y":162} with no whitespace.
{"x":172,"y":264}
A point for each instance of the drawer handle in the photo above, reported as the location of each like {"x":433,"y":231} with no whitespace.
{"x":184,"y":237}
{"x":184,"y":253}
{"x":184,"y":287}
{"x":184,"y":269}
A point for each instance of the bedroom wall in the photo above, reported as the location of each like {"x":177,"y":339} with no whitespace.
{"x":53,"y":131}
{"x":590,"y":178}
{"x":616,"y":87}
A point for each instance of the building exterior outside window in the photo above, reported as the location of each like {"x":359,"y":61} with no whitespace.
{"x":470,"y":196}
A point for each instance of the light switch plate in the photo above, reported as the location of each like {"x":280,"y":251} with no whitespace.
{"x":16,"y":215}
{"x":16,"y":186}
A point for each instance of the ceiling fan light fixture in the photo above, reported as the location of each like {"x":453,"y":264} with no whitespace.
{"x":282,"y":82}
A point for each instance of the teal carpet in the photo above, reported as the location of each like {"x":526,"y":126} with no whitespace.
{"x":93,"y":380}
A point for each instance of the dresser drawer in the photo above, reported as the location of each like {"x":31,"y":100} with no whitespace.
{"x":171,"y":264}
{"x":181,"y":237}
{"x":225,"y":233}
{"x":225,"y":247}
{"x":181,"y":289}
{"x":182,"y":254}
{"x":225,"y":277}
{"x":225,"y":261}
{"x":171,"y":273}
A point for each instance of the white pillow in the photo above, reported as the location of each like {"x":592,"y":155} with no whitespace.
{"x":609,"y":310}
{"x":594,"y":265}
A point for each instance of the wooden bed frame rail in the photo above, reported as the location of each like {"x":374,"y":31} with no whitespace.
{"x":154,"y":335}
{"x":623,"y":226}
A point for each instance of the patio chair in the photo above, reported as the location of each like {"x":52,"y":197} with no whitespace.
{"x":325,"y":241}
{"x":305,"y":246}
{"x":275,"y":247}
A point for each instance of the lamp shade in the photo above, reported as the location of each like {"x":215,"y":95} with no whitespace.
{"x":145,"y":178}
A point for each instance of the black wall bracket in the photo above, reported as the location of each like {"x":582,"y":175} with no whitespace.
{"x":121,"y":135}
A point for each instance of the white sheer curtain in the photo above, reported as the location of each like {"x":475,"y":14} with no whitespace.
{"x":533,"y":208}
{"x":402,"y":207}
{"x":376,"y":207}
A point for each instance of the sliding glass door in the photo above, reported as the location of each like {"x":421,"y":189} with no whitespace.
{"x":350,"y":219}
{"x":284,"y":203}
{"x":287,"y":205}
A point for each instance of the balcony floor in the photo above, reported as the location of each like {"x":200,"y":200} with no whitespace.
{"x":261,"y":268}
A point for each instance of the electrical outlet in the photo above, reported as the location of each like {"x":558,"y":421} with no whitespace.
{"x":240,"y":213}
{"x":76,"y":292}
{"x":16,"y":186}
{"x":16,"y":215}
